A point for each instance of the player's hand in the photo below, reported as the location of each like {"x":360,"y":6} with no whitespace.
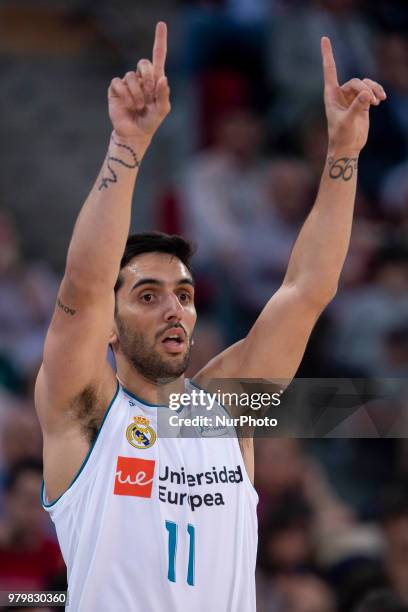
{"x":139,"y":102}
{"x":347,"y":105}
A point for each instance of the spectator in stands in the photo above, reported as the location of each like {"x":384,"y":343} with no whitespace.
{"x":29,"y":558}
{"x":396,"y":347}
{"x":27,"y":297}
{"x":395,"y":525}
{"x":220,"y":191}
{"x":286,"y":567}
{"x":308,"y":137}
{"x":365,"y":315}
{"x":394,"y":198}
{"x":294,"y":56}
{"x":381,"y":601}
{"x":269,"y":233}
{"x":222,"y":187}
{"x":286,"y":538}
{"x":20,"y":437}
{"x":295,"y":472}
{"x":245,"y":215}
{"x":289,"y":463}
{"x":305,"y":593}
{"x":387,"y":144}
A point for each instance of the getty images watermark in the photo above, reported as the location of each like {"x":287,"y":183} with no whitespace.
{"x":198,"y":398}
{"x":307,"y":408}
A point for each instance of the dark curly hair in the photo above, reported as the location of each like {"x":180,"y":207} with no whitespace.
{"x":156,"y":242}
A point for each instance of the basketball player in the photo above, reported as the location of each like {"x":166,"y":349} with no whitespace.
{"x":169,"y":524}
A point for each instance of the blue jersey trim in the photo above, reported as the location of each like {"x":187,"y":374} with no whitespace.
{"x":142,"y":401}
{"x":86,"y":458}
{"x":148,"y":404}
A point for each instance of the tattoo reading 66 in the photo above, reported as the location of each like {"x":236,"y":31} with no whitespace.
{"x":37,"y":599}
{"x":343,"y":167}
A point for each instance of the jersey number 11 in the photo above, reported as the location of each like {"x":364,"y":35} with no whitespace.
{"x":171,"y":574}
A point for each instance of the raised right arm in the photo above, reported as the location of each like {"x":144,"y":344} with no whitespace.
{"x":76,"y":344}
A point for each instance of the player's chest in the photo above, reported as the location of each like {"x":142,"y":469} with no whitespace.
{"x":194,"y":471}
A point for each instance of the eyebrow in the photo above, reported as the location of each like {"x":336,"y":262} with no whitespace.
{"x":154,"y":281}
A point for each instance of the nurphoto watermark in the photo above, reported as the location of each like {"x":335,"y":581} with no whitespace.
{"x":301,"y":408}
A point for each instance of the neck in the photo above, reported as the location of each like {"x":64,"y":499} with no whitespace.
{"x":152,"y":392}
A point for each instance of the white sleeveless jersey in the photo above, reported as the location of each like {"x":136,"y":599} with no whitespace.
{"x":158,"y":524}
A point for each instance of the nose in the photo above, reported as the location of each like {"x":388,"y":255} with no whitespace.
{"x":174,"y":310}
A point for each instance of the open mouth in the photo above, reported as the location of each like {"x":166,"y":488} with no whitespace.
{"x":174,"y":340}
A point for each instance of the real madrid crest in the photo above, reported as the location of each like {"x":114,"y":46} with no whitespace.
{"x":140,"y":434}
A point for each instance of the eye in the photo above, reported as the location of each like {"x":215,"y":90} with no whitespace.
{"x":147,"y":298}
{"x":184,"y":297}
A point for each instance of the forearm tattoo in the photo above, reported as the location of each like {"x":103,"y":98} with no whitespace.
{"x":342,"y":168}
{"x":113,"y":178}
{"x":66,"y":309}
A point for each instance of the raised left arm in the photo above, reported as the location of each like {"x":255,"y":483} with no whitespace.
{"x":276,"y":343}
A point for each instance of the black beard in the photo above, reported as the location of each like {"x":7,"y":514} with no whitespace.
{"x":146,"y":360}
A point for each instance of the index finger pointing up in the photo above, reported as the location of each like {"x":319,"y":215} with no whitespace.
{"x":160,"y":49}
{"x":329,"y":65}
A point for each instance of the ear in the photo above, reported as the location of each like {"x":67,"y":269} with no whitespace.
{"x":113,"y":337}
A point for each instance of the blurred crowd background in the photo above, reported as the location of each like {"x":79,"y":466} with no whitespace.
{"x":235,"y":168}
